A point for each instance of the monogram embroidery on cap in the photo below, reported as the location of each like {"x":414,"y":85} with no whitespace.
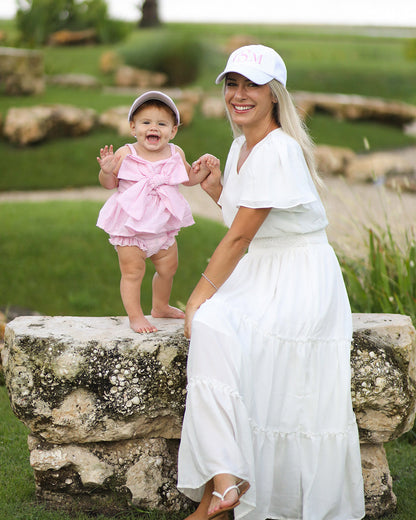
{"x":248,"y":56}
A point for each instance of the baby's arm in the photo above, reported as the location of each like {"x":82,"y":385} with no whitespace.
{"x":110,"y":164}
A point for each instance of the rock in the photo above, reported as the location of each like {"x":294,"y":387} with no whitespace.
{"x":379,"y":497}
{"x":383,"y":362}
{"x":29,"y":125}
{"x":3,"y":322}
{"x":22,"y":71}
{"x":353,"y":107}
{"x":77,"y":380}
{"x":332,"y":160}
{"x":401,"y":182}
{"x":410,"y":129}
{"x":116,"y":118}
{"x":377,"y":165}
{"x":66,"y":37}
{"x":108,"y":476}
{"x":104,"y":406}
{"x":109,"y":62}
{"x":126,"y":76}
{"x":186,"y":111}
{"x":213,"y":107}
{"x":74,"y":80}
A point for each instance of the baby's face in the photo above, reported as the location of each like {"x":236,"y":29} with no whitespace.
{"x":153,"y":127}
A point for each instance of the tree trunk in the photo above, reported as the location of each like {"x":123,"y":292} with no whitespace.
{"x":150,"y":14}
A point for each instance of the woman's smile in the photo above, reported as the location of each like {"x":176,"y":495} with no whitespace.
{"x":242,"y":108}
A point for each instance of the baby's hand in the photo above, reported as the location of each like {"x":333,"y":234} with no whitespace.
{"x":108,"y":161}
{"x":204,"y":165}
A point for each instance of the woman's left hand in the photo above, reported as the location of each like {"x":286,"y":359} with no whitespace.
{"x":189,"y":316}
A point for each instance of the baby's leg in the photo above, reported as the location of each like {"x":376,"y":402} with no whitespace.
{"x":132,"y":262}
{"x":166,"y":263}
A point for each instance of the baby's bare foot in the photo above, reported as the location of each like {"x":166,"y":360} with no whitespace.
{"x":167,"y":312}
{"x":142,"y":325}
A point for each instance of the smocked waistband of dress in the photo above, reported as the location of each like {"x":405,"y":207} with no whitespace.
{"x":284,"y":241}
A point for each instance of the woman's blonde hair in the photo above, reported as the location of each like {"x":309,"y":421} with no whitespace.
{"x":286,"y":115}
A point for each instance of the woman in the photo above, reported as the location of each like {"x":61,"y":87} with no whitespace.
{"x":269,"y":425}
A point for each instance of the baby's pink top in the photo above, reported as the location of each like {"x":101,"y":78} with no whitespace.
{"x":147,"y":200}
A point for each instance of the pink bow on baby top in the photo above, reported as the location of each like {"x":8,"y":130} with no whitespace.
{"x":153,"y":202}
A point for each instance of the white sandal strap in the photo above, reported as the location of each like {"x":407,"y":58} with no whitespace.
{"x":222,"y":497}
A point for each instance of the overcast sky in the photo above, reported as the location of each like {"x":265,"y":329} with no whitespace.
{"x":349,"y":12}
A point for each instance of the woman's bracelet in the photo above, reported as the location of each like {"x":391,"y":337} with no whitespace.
{"x":209,"y":281}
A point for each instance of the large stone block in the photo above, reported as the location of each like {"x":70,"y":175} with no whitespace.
{"x":21,"y":71}
{"x":108,"y":476}
{"x":76,"y":380}
{"x":24,"y":126}
{"x":383,"y":386}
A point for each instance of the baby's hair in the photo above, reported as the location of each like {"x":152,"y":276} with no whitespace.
{"x":159,"y":104}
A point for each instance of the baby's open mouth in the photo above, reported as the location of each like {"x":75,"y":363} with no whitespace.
{"x":153,"y":138}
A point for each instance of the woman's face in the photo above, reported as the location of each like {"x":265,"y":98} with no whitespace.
{"x":249,"y":104}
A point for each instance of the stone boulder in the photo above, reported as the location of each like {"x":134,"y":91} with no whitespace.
{"x":66,"y":37}
{"x":74,"y":80}
{"x":21,"y":71}
{"x":24,"y":126}
{"x":104,"y":406}
{"x":352,"y":107}
{"x":333,"y":160}
{"x":213,"y":107}
{"x":109,"y":62}
{"x":383,"y":386}
{"x":116,"y":119}
{"x":378,"y":166}
{"x":126,"y":76}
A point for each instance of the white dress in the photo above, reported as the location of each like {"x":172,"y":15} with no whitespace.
{"x":269,"y":361}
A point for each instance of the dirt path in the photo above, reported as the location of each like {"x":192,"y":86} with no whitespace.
{"x":351,"y":207}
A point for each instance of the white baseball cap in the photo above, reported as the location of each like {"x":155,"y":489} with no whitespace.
{"x":159,"y":96}
{"x":257,"y":63}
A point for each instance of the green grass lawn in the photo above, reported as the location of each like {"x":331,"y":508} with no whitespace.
{"x":55,"y":261}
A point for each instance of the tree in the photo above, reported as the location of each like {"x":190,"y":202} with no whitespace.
{"x":150,"y":14}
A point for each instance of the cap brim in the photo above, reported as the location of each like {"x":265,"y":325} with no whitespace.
{"x":159,"y":96}
{"x":258,"y":77}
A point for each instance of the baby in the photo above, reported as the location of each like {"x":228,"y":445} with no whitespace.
{"x":147,"y":211}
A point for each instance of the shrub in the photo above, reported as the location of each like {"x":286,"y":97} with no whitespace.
{"x":38,"y":19}
{"x":386,"y":282}
{"x":177,"y":55}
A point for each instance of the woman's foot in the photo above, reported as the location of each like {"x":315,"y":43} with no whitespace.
{"x":199,"y":515}
{"x":227,"y":494}
{"x":167,"y":312}
{"x":142,"y":325}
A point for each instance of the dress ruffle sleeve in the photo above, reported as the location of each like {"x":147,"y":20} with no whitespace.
{"x":275,"y":175}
